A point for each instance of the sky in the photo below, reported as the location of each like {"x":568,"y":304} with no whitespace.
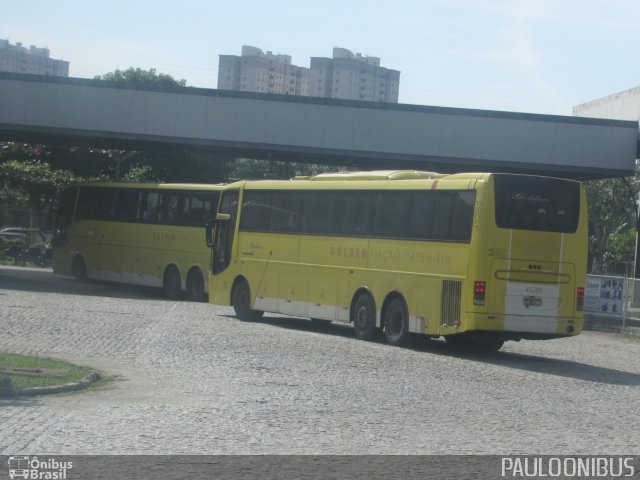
{"x":535,"y":56}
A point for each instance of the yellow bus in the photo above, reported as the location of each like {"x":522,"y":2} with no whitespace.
{"x":478,"y":258}
{"x":141,"y":234}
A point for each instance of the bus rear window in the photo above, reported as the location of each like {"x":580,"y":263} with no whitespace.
{"x":537,"y":203}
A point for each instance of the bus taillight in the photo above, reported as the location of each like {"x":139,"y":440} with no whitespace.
{"x":479,"y":290}
{"x":580,"y":299}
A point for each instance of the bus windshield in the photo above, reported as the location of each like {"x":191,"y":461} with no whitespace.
{"x":537,"y":203}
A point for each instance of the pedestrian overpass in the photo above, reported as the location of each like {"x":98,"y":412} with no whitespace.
{"x":73,"y":111}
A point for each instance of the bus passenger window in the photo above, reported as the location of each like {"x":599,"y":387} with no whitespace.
{"x":150,"y":207}
{"x":171,"y":208}
{"x":353,"y":213}
{"x":318,"y":209}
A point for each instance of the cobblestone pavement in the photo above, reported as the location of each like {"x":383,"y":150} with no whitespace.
{"x":190,"y":379}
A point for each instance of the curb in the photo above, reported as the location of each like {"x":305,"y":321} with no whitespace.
{"x":67,"y":387}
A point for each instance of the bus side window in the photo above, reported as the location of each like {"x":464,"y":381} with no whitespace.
{"x":127,"y":205}
{"x":440,"y":225}
{"x":256,"y":211}
{"x":285,"y":212}
{"x":150,"y":205}
{"x":462,"y":216}
{"x":392,"y":214}
{"x":318,"y":210}
{"x":171,"y":208}
{"x":197,"y":209}
{"x":353,"y":213}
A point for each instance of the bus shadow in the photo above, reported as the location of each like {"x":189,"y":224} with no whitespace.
{"x":46,"y":282}
{"x":518,"y":361}
{"x":537,"y":364}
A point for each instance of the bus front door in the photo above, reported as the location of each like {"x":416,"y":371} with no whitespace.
{"x":225,"y":229}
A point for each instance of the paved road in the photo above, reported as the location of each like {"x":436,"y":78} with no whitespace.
{"x":190,"y":378}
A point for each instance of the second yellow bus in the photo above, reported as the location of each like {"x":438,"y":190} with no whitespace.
{"x":478,"y":258}
{"x":140,"y":234}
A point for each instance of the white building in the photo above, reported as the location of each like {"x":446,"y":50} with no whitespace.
{"x":19,"y":59}
{"x":256,"y":71}
{"x":619,"y":106}
{"x":353,"y":77}
{"x":345,"y":76}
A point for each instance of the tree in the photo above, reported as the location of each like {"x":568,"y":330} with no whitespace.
{"x":144,"y":77}
{"x":32,"y":185}
{"x":613,"y":221}
{"x":252,"y":169}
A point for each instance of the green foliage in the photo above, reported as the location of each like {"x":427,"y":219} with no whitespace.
{"x":140,"y":173}
{"x":70,"y":372}
{"x":142,"y":77}
{"x":612,"y":221}
{"x":621,"y":246}
{"x":32,"y":182}
{"x":252,"y":169}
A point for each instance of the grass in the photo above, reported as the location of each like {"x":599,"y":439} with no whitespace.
{"x":69,"y":372}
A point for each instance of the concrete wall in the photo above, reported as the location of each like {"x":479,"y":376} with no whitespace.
{"x":318,"y":129}
{"x":622,"y":106}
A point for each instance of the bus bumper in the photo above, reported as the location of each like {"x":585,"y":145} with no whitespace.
{"x":524,"y":326}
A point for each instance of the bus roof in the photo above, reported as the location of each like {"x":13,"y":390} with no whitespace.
{"x":392,"y":175}
{"x":160,"y":186}
{"x":374,"y":175}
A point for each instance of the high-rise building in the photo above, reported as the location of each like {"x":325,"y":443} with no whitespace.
{"x":19,"y":59}
{"x":345,"y":76}
{"x":353,"y":77}
{"x":256,"y":71}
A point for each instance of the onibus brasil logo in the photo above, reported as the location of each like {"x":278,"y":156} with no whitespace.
{"x":33,"y":468}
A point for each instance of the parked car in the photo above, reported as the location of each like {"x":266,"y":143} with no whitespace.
{"x":25,"y":245}
{"x":30,"y":236}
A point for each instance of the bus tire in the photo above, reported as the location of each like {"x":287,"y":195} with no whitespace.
{"x":171,"y":283}
{"x":241,"y":301}
{"x":195,"y":286}
{"x":79,"y":269}
{"x":396,"y":322}
{"x":364,"y":317}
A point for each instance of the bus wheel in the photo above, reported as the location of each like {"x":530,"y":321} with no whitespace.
{"x":489,"y":343}
{"x":241,"y":300}
{"x":172,"y":283}
{"x":79,"y":269}
{"x":396,"y":322}
{"x":195,"y":286}
{"x":364,"y":317}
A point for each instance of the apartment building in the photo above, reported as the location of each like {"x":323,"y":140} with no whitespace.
{"x":353,"y":77}
{"x":256,"y":71}
{"x":19,"y":59}
{"x":345,"y":76}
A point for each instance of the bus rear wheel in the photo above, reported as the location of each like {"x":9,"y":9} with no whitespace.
{"x":364,"y":317}
{"x":241,"y":301}
{"x":195,"y":286}
{"x":172,"y":283}
{"x":396,"y":322}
